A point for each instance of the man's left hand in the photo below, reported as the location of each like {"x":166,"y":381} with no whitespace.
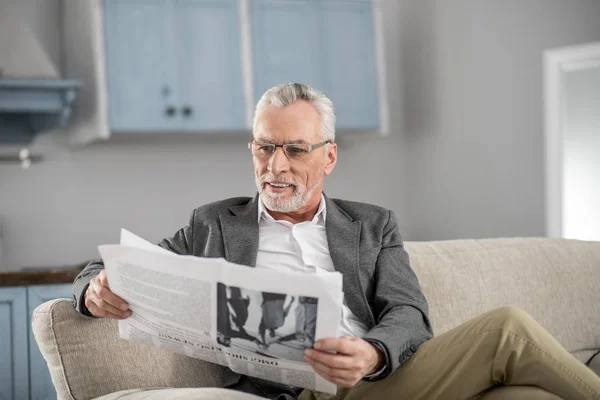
{"x":353,"y":359}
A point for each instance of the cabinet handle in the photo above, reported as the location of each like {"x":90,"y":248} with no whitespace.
{"x":170,"y":111}
{"x":187,"y":111}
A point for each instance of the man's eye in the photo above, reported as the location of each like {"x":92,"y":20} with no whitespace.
{"x":296,"y":150}
{"x":266,"y":149}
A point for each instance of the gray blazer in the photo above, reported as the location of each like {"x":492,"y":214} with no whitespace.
{"x":379,"y":285}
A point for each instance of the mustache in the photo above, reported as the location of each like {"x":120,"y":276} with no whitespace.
{"x":276,"y":178}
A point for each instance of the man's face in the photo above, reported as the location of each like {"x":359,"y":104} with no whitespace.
{"x":289,"y":185}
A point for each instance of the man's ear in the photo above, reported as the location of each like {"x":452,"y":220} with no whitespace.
{"x":331,"y":158}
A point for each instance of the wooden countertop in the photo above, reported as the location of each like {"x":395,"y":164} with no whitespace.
{"x":40,"y":276}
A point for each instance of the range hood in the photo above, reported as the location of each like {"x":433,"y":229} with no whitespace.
{"x":33,"y":97}
{"x":32,"y":105}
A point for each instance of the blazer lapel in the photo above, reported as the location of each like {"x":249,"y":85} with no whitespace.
{"x":240,"y":233}
{"x":343,"y":237}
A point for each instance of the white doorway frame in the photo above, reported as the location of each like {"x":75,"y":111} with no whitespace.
{"x":557,"y":61}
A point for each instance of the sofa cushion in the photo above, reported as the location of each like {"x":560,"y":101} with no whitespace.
{"x":98,"y":362}
{"x":179,"y":394}
{"x":555,"y":280}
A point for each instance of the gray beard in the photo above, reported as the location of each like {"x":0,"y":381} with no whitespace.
{"x":277,"y":203}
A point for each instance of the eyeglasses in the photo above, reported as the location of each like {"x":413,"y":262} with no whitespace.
{"x":293,"y":151}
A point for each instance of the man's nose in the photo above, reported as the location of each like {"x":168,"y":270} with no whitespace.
{"x":278,"y":162}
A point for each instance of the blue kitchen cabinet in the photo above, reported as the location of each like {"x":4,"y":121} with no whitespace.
{"x":173,"y":65}
{"x":140,"y":67}
{"x":350,"y":69}
{"x":23,"y":371}
{"x":328,"y":44}
{"x":200,"y":66}
{"x":209,"y":65}
{"x":286,"y":44}
{"x":14,"y":373}
{"x":40,"y":383}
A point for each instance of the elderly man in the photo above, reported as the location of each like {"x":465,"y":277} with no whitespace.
{"x":386,"y":348}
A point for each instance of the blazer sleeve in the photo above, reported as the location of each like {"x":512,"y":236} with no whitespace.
{"x":399,"y":306}
{"x":180,"y":243}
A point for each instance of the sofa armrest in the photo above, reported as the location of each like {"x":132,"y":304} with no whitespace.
{"x":87,"y":358}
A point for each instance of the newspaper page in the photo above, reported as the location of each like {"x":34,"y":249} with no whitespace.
{"x":258,"y":322}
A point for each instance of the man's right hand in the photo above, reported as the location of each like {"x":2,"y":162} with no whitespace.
{"x":102,"y":302}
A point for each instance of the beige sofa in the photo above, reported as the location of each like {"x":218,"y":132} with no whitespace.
{"x":556,"y":281}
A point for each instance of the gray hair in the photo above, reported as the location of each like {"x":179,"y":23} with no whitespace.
{"x":286,"y":94}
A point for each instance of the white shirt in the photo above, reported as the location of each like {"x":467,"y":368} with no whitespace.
{"x":301,"y":247}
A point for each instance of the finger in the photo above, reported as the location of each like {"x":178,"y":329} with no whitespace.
{"x":321,"y":373}
{"x":339,"y":361}
{"x":343,"y":382}
{"x":104,"y":293}
{"x":100,"y":303}
{"x":323,"y":369}
{"x":344,"y":345}
{"x":103,"y":278}
{"x":101,"y":313}
{"x":346,"y":381}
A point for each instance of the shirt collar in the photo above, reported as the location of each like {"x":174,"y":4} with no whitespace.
{"x":319,"y":217}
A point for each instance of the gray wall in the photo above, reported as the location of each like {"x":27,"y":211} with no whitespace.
{"x":464,"y":158}
{"x":474,"y":132}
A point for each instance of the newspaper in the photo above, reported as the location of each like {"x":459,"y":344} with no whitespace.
{"x":258,"y":322}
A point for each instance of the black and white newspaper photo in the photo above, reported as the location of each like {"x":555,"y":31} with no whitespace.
{"x":258,"y":322}
{"x":270,"y":324}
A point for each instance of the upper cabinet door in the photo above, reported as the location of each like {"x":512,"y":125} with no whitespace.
{"x":208,"y":60}
{"x":328,"y":44}
{"x":286,"y":45}
{"x":350,"y":69}
{"x":140,"y":76}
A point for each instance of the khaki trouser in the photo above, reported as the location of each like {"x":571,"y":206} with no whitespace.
{"x":504,"y":347}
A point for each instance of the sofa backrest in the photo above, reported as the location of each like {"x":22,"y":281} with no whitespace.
{"x":557,"y":281}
